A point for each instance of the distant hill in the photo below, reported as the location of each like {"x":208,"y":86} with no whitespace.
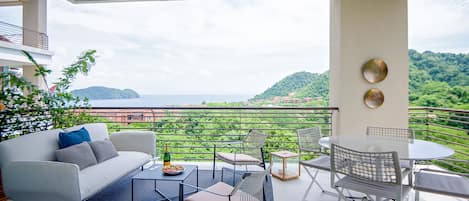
{"x":318,"y":87}
{"x":98,"y":92}
{"x":289,"y":84}
{"x":435,"y":80}
{"x":439,"y":79}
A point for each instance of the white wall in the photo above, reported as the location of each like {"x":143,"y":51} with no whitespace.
{"x":361,"y":30}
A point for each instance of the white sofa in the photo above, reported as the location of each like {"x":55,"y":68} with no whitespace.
{"x":30,"y":170}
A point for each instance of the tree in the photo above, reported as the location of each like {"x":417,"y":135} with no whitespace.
{"x":40,"y":109}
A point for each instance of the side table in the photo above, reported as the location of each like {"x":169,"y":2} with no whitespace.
{"x":289,"y":167}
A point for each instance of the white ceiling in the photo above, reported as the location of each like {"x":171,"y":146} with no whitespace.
{"x":110,"y":1}
{"x":19,"y":2}
{"x":11,"y":2}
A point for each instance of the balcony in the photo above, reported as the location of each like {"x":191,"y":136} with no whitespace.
{"x":20,"y":36}
{"x":15,"y":39}
{"x":192,"y":131}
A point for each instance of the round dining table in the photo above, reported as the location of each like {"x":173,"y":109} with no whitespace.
{"x":417,"y":150}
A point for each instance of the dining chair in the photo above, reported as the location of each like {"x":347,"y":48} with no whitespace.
{"x":308,"y":139}
{"x":249,"y":188}
{"x":398,"y":133}
{"x":251,"y":153}
{"x":371,"y":173}
{"x":441,"y":182}
{"x":404,"y":133}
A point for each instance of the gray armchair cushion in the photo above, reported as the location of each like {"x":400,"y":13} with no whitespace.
{"x":103,"y":150}
{"x":80,"y":154}
{"x":441,"y":183}
{"x":321,"y":162}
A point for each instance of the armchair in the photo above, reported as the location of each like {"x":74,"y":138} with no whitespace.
{"x":250,"y":188}
{"x":251,"y":153}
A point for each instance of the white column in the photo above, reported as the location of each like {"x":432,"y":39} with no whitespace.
{"x":1,"y":81}
{"x":28,"y":73}
{"x":361,"y":30}
{"x":35,"y":19}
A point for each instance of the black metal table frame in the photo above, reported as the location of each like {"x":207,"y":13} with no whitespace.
{"x":161,"y":193}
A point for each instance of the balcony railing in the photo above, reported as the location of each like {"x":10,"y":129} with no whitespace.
{"x":192,"y":131}
{"x":23,"y":36}
{"x":444,"y":126}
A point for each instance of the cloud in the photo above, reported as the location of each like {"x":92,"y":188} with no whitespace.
{"x":218,"y":46}
{"x":193,"y":46}
{"x":439,"y":25}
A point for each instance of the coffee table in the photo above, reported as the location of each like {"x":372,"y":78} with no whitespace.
{"x":154,"y":173}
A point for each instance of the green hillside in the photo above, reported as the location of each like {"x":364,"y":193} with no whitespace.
{"x":98,"y":92}
{"x":435,"y":80}
{"x":439,"y":79}
{"x":318,"y":87}
{"x":291,"y":83}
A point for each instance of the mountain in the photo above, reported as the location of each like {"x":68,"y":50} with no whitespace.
{"x":318,"y":87}
{"x":289,"y":84}
{"x":435,"y":80}
{"x":439,"y":79}
{"x":98,"y":92}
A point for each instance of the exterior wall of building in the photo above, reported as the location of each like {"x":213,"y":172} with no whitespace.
{"x":34,"y":18}
{"x":361,"y":30}
{"x":12,"y":55}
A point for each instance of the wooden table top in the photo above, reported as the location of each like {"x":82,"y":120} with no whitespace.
{"x":284,"y":154}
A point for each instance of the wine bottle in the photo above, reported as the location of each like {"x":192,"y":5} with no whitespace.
{"x":166,"y":157}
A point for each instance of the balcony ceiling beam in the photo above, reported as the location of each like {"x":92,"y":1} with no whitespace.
{"x":110,"y":1}
{"x":12,"y":55}
{"x":12,"y":2}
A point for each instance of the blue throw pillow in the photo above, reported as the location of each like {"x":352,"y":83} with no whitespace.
{"x":72,"y":138}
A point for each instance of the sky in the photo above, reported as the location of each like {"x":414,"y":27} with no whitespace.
{"x":217,"y":46}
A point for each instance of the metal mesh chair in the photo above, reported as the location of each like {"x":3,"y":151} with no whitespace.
{"x":250,"y":188}
{"x":251,"y":153}
{"x":398,"y":133}
{"x":372,"y":173}
{"x":308,"y":139}
{"x":441,"y":182}
{"x":403,"y":133}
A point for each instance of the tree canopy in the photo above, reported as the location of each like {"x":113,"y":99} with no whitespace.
{"x":435,"y":80}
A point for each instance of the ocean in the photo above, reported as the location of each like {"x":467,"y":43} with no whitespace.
{"x":168,"y":100}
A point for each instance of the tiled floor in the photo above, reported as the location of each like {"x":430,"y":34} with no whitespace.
{"x":293,"y":190}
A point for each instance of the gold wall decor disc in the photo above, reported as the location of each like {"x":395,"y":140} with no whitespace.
{"x":374,"y":98}
{"x":375,"y":70}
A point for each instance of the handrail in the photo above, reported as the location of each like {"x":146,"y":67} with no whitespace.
{"x":440,"y":109}
{"x":192,"y":130}
{"x":218,"y":108}
{"x":15,"y":34}
{"x":446,"y":126}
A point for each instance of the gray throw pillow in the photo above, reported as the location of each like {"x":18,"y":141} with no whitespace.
{"x":80,"y":154}
{"x":103,"y":150}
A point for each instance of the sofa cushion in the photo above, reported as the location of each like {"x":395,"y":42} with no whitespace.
{"x":38,"y":146}
{"x":67,"y":139}
{"x":80,"y":154}
{"x":97,"y":131}
{"x":103,"y":150}
{"x":95,"y":178}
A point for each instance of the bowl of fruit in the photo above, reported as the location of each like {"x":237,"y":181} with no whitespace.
{"x":173,"y":169}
